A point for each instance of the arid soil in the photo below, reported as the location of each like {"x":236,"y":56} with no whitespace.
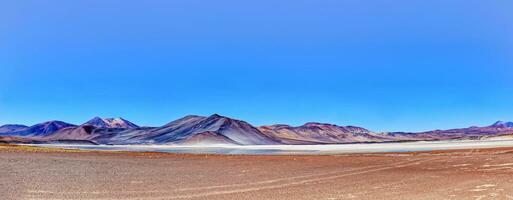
{"x":44,"y":174}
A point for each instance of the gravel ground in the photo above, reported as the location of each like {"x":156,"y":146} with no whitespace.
{"x":41,"y":174}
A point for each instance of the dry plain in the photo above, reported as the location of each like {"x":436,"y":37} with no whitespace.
{"x":36,"y":173}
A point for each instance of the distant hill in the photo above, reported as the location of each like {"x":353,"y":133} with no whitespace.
{"x":474,"y":132}
{"x":320,"y":133}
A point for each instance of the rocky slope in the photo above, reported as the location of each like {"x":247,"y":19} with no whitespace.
{"x":83,"y":132}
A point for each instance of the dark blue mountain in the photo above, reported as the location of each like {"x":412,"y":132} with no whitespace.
{"x":10,"y":128}
{"x":42,"y":129}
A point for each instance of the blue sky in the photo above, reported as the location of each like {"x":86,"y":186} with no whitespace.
{"x":385,"y":65}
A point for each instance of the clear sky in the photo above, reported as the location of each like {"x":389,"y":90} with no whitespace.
{"x":396,"y":65}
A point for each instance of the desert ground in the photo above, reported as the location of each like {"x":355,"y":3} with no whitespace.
{"x":38,"y":173}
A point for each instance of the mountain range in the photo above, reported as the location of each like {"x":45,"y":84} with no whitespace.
{"x":217,"y":129}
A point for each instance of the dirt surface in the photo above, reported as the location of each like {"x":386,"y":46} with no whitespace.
{"x":41,"y":174}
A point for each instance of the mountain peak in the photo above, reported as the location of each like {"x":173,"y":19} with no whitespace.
{"x":216,"y":116}
{"x":276,"y":126}
{"x":111,"y":123}
{"x":316,"y":124}
{"x":57,"y":123}
{"x":502,"y":124}
{"x":45,"y":128}
{"x":192,"y":116}
{"x":215,"y":125}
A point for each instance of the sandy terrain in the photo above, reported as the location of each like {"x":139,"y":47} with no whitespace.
{"x":39,"y":173}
